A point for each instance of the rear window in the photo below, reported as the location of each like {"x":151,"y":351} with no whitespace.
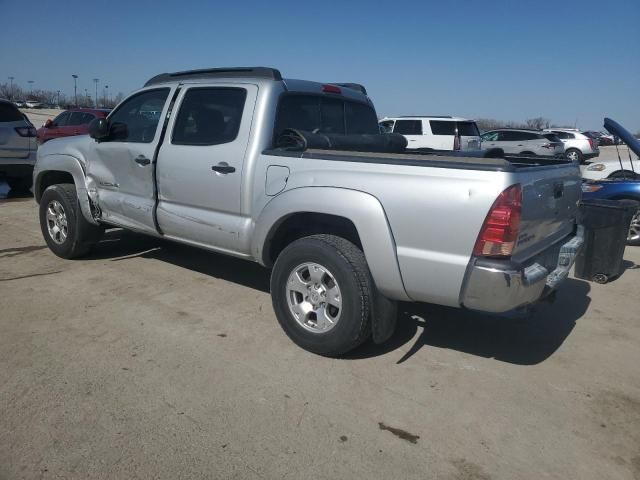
{"x":322,"y":114}
{"x":468,"y":129}
{"x":441,"y":127}
{"x":408,"y":127}
{"x":9,"y":113}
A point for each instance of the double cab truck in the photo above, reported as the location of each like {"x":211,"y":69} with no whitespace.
{"x":194,"y":157}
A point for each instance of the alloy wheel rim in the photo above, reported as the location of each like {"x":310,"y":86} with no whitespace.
{"x":572,"y":156}
{"x":314,"y":297}
{"x":634,"y":228}
{"x":57,"y":224}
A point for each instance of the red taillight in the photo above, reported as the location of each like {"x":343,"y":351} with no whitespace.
{"x":592,"y":144}
{"x":500,"y":229}
{"x":331,"y":89}
{"x":456,"y":142}
{"x":26,"y":131}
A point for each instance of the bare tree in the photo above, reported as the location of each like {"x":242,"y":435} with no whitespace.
{"x":537,"y":123}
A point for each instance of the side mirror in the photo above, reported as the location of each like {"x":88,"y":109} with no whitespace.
{"x":48,"y":123}
{"x":99,"y":129}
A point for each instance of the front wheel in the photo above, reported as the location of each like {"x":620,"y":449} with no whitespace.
{"x":67,"y":233}
{"x":322,"y":291}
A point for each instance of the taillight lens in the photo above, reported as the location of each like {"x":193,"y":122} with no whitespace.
{"x":500,"y":229}
{"x":26,"y":131}
{"x":592,"y":144}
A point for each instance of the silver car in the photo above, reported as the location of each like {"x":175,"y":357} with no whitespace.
{"x":17,"y":147}
{"x":577,"y":146}
{"x":523,"y":142}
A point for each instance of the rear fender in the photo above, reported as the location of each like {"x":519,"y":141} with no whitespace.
{"x":364,"y":210}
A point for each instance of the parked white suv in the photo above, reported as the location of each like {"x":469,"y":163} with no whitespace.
{"x":578,"y":147}
{"x":437,"y":133}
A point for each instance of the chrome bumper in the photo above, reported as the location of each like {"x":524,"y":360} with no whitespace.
{"x":501,"y":288}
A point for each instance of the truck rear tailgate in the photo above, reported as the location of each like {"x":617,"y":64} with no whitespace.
{"x":550,"y":197}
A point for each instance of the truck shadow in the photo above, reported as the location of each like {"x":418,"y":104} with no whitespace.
{"x":121,"y":245}
{"x":522,"y":341}
{"x":526,"y":340}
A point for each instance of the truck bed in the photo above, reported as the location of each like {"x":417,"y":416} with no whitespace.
{"x":426,"y":159}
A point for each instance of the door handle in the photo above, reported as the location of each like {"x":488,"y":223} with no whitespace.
{"x":142,"y":160}
{"x":224,"y":168}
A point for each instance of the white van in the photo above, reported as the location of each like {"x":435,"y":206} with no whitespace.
{"x":437,"y":133}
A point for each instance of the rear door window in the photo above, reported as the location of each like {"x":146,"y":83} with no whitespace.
{"x":468,"y":129}
{"x":209,"y":116}
{"x":9,"y":113}
{"x":408,"y":127}
{"x":441,"y":127}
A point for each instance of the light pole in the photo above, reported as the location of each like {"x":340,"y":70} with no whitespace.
{"x":86,"y":96}
{"x":106,"y":95}
{"x":30,"y":82}
{"x":96,"y":80}
{"x":11,"y":88}
{"x":58,"y":99}
{"x":75,"y":88}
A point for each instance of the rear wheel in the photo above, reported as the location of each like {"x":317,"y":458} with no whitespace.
{"x":67,"y":233}
{"x":574,"y":155}
{"x":322,"y":292}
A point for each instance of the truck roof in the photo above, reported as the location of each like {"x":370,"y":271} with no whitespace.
{"x":263,"y":74}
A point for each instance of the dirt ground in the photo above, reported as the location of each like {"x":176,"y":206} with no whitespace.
{"x":154,"y":360}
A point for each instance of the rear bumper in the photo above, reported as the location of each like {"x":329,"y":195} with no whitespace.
{"x":499,"y":286}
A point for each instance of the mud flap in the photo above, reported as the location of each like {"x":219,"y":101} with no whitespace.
{"x":384,"y":316}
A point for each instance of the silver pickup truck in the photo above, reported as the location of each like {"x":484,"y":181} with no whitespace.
{"x":192,"y":157}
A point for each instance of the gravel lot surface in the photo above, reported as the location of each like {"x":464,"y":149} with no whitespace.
{"x":154,"y":360}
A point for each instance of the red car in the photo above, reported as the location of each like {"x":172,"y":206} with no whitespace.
{"x":70,"y":122}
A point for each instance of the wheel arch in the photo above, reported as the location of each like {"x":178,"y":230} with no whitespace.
{"x":352,"y":214}
{"x":56,"y":169}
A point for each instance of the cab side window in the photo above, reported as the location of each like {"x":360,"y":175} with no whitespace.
{"x":209,"y":116}
{"x":136,"y":120}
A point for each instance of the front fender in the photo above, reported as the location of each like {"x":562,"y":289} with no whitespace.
{"x":65,"y":164}
{"x":364,"y":210}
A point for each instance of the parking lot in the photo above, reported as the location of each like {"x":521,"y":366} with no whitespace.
{"x":155,"y":360}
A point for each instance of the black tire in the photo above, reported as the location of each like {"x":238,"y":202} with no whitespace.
{"x":19,"y":184}
{"x":80,"y":234}
{"x":579,"y":158}
{"x":349,"y":266}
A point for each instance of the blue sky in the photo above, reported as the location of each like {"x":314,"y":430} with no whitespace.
{"x":565,"y":60}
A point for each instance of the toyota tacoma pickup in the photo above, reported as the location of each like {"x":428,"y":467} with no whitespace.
{"x":194,"y":157}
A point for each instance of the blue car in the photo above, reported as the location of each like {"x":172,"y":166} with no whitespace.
{"x":619,"y":188}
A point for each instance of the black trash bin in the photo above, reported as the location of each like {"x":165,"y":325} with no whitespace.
{"x":606,"y":223}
